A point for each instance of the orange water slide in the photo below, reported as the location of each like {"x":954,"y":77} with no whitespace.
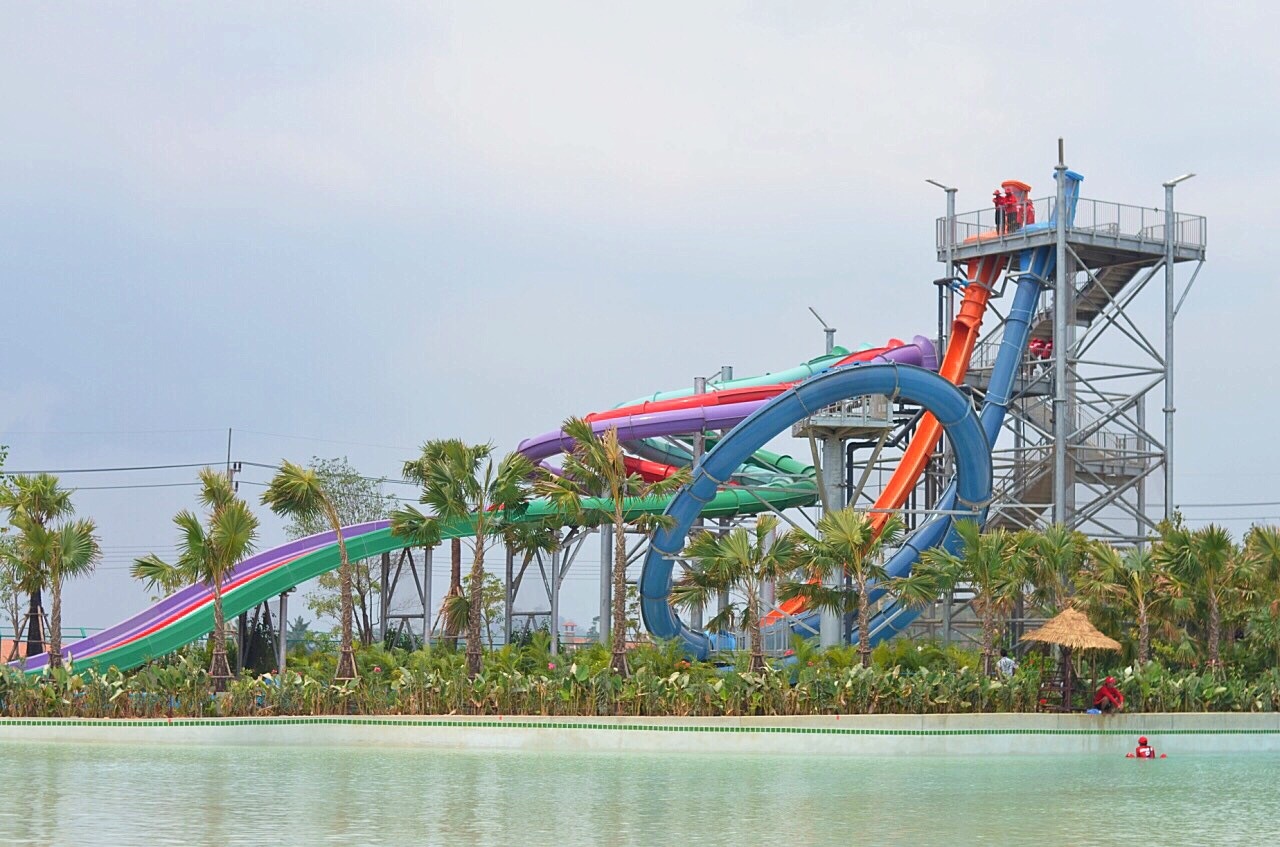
{"x":955,"y":364}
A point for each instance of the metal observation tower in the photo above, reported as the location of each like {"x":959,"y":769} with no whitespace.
{"x":1082,"y":442}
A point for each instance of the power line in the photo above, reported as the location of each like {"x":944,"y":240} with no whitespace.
{"x":114,"y":470}
{"x":1224,"y":505}
{"x":326,"y":440}
{"x":107,"y":431}
{"x":360,"y":476}
{"x":146,"y":485}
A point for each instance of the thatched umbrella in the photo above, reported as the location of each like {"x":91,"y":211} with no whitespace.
{"x":1071,"y":630}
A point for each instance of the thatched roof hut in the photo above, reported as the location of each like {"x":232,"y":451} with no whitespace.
{"x":1071,"y":629}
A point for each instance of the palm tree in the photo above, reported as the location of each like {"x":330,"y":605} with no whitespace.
{"x":1212,"y":568}
{"x":1053,"y":559}
{"x":11,"y":571}
{"x":847,"y":544}
{"x":1130,"y":583}
{"x":416,"y":470}
{"x":744,"y":560}
{"x":208,"y":553}
{"x":463,"y":483}
{"x":990,"y":564}
{"x":33,"y":503}
{"x":73,"y":550}
{"x":594,"y":489}
{"x":296,"y":492}
{"x":1262,"y":546}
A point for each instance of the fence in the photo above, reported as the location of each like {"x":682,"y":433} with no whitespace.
{"x":1097,"y":218}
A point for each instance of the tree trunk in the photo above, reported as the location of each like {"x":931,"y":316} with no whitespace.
{"x":619,"y":662}
{"x":1215,"y":631}
{"x":366,"y":622}
{"x":1144,"y":634}
{"x":346,"y":652}
{"x":219,"y":668}
{"x":864,"y":625}
{"x":757,"y":637}
{"x":35,"y":625}
{"x":474,"y":597}
{"x":455,"y":589}
{"x":55,"y":624}
{"x":987,"y":614}
{"x":1068,"y":679}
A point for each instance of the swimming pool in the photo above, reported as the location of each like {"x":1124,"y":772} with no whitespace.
{"x":109,"y":794}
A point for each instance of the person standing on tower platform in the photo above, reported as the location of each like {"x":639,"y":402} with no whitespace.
{"x":998,"y":200}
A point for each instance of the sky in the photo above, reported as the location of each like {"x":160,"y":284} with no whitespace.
{"x":342,"y":229}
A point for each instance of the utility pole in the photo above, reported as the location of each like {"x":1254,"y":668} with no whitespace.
{"x":699,"y":444}
{"x":242,"y":623}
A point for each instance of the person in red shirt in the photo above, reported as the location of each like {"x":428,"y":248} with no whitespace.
{"x":1108,"y":697}
{"x":997,"y":200}
{"x":1144,"y":751}
{"x":1012,"y":212}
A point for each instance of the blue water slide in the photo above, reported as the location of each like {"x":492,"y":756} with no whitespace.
{"x":1035,"y":267}
{"x":951,"y":407}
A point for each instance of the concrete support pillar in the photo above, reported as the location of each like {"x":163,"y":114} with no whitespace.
{"x":508,"y":603}
{"x":282,"y":644}
{"x":555,"y":602}
{"x":606,"y":582}
{"x":384,"y":596}
{"x":830,"y":625}
{"x":427,"y":560}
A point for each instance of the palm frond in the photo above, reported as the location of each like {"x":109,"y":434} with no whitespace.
{"x":294,"y":491}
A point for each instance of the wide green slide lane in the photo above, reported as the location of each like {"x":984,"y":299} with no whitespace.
{"x":198,"y":623}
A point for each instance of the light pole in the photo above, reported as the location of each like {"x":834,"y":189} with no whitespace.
{"x":1170,"y":223}
{"x":829,"y":330}
{"x":946,"y":316}
{"x":951,"y":262}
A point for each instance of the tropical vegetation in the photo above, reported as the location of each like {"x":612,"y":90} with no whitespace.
{"x":208,"y":552}
{"x":357,"y":499}
{"x":593,"y":489}
{"x":465,"y":483}
{"x":299,"y":493}
{"x":905,"y":677}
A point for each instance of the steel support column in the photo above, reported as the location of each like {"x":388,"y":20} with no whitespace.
{"x":1062,"y":295}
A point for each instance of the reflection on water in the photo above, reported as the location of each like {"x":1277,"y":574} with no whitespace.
{"x":117,"y":795}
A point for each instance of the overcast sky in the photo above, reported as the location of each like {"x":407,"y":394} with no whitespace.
{"x":341,"y":229}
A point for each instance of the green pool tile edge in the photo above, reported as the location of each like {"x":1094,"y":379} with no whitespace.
{"x":623,"y":726}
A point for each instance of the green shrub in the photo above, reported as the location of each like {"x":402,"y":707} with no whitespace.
{"x":908,"y":677}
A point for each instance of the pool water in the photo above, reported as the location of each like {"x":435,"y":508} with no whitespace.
{"x":118,"y":795}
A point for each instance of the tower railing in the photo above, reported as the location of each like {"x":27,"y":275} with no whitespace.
{"x":1097,"y":218}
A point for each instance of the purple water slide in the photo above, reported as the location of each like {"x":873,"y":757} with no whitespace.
{"x":700,"y":418}
{"x":194,"y":594}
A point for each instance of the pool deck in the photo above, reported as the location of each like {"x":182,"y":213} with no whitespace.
{"x":844,"y":735}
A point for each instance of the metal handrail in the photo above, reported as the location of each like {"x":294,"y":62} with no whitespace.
{"x":1100,"y":218}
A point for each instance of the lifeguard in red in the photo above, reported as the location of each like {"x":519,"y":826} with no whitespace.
{"x":1143,"y":751}
{"x":1108,"y":697}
